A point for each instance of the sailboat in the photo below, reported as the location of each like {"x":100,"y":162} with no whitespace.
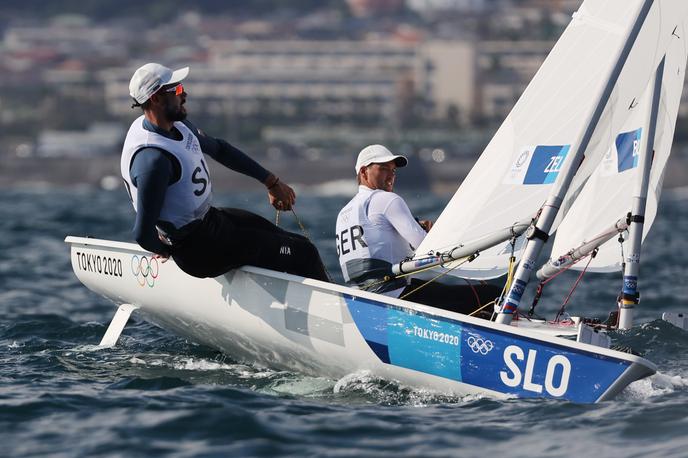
{"x":544,"y":160}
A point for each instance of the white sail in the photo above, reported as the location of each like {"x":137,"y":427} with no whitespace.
{"x":608,"y":194}
{"x":514,"y":175}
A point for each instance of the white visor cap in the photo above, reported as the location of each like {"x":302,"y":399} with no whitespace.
{"x":151,"y":77}
{"x":378,"y":154}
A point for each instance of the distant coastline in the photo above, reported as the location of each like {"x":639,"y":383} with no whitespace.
{"x":103,"y":171}
{"x":441,"y":178}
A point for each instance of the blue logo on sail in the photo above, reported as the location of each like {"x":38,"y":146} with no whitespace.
{"x":546,"y":163}
{"x":628,"y":149}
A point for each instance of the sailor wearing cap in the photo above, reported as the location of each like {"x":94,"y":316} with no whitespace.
{"x":376,"y":228}
{"x":167,"y":176}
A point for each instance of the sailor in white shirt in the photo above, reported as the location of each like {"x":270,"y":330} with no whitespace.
{"x":376,"y":230}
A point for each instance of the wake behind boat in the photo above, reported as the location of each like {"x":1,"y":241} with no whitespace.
{"x":598,"y":116}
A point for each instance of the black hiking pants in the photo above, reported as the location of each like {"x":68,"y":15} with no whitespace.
{"x":464,"y":299}
{"x":228,"y":238}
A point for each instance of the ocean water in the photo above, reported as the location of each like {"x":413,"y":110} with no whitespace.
{"x":156,"y":394}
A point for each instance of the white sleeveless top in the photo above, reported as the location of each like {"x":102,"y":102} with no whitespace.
{"x":364,"y":233}
{"x":186,"y":200}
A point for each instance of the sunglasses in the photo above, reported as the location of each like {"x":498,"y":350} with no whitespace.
{"x":177,"y":89}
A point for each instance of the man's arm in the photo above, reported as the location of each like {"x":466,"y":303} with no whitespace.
{"x":228,"y":155}
{"x":281,"y":196}
{"x":151,"y":172}
{"x":399,"y":216}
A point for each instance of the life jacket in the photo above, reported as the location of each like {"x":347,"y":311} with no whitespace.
{"x":187,"y":199}
{"x":366,"y":251}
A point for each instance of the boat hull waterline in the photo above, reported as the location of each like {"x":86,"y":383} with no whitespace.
{"x":289,"y":322}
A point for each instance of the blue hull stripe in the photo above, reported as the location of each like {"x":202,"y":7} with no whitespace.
{"x":482,"y":357}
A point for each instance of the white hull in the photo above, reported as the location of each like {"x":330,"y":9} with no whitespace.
{"x":288,"y":322}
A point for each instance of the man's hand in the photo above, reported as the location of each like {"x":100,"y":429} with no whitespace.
{"x":426,"y":224}
{"x":281,"y":196}
{"x":163,"y":258}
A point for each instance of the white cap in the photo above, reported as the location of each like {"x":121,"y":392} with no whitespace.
{"x":151,"y":77}
{"x":378,"y":154}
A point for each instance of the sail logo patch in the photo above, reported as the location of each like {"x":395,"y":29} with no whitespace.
{"x":539,"y":165}
{"x":545,"y":164}
{"x":623,"y":155}
{"x":628,"y":149}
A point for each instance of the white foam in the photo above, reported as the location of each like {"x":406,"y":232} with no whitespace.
{"x":354,"y":378}
{"x":302,"y":386}
{"x":190,"y":364}
{"x":218,"y":364}
{"x":87,"y":348}
{"x":392,"y":392}
{"x":656,"y":385}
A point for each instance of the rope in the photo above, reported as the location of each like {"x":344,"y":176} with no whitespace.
{"x":493,"y":302}
{"x":536,"y":299}
{"x":301,"y":226}
{"x":441,"y":274}
{"x":305,"y":233}
{"x":475,"y":293}
{"x":541,"y":287}
{"x":623,"y":259}
{"x":575,"y":285}
{"x":509,"y":274}
{"x":424,"y":269}
{"x":308,"y":237}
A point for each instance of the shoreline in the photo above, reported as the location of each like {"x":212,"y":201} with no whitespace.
{"x":103,"y":172}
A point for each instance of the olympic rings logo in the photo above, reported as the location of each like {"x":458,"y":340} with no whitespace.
{"x":479,"y":345}
{"x":522,"y":158}
{"x":145,"y":270}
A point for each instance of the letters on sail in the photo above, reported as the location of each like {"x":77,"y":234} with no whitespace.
{"x":608,"y":194}
{"x":518,"y":169}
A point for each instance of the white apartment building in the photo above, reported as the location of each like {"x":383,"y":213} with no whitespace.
{"x":373,"y":78}
{"x":377,"y":79}
{"x":505,"y":69}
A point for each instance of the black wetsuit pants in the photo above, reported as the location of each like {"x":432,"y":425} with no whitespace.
{"x":464,"y":299}
{"x":228,"y":238}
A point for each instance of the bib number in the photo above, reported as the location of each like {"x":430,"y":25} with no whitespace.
{"x":200,"y":176}
{"x":349,"y":237}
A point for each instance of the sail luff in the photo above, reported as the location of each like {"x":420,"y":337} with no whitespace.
{"x":541,"y":228}
{"x":630,"y":295}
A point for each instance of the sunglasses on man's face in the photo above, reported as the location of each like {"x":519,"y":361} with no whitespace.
{"x":177,"y":89}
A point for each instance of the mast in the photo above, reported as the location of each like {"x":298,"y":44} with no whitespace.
{"x":538,"y":233}
{"x":630,"y":295}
